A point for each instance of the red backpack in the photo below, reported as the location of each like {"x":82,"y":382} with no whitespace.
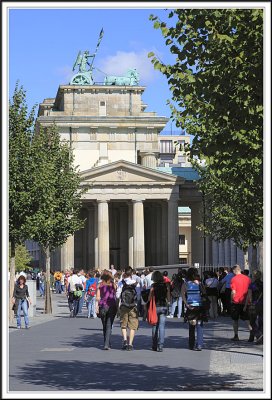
{"x":92,"y":290}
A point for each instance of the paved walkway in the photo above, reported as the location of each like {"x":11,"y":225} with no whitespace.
{"x":66,"y":354}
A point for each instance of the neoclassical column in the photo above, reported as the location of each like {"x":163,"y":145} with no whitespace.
{"x":197,"y":235}
{"x":103,"y":235}
{"x":67,"y":254}
{"x":138,"y":234}
{"x":123,"y":236}
{"x":149,"y":160}
{"x":90,"y":237}
{"x":159,"y":234}
{"x":227,"y":245}
{"x":130,"y":235}
{"x":173,"y":232}
{"x":164,"y":238}
{"x":96,"y":264}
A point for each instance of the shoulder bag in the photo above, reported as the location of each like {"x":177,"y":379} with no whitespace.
{"x":152,"y":317}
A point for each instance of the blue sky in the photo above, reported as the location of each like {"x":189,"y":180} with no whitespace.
{"x":43,"y":45}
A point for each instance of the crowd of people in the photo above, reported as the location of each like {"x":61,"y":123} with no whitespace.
{"x":127,"y":294}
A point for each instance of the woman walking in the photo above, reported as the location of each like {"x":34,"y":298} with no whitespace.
{"x":20,"y":299}
{"x":161,"y":291}
{"x":106,"y":305}
{"x":195,"y":314}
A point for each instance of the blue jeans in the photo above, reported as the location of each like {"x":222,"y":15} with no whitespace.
{"x":158,"y":331}
{"x":91,"y":306}
{"x":58,"y":286}
{"x":107,"y":321}
{"x":22,"y":305}
{"x":177,"y":302}
{"x":41,"y":288}
{"x":199,"y":334}
{"x":81,"y":301}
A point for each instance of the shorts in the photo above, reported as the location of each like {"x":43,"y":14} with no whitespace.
{"x":236,"y":312}
{"x":129,"y":318}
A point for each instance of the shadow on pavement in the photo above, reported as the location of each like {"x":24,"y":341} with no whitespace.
{"x":112,"y":376}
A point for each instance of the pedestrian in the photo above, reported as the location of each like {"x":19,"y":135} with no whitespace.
{"x":176,"y":286}
{"x":129,"y":319}
{"x":21,"y":301}
{"x":90,"y":294}
{"x":42,"y":284}
{"x":57,"y":278}
{"x":165,"y":277}
{"x":74,"y":293}
{"x":227,"y":293}
{"x":211,"y":285}
{"x":195,"y":313}
{"x":83,"y":279}
{"x":239,"y":290}
{"x":161,"y":292}
{"x":106,"y":305}
{"x":112,"y":270}
{"x":254,"y":301}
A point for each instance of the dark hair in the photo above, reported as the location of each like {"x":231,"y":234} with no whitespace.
{"x":106,"y":277}
{"x":97,"y":275}
{"x":165,"y":273}
{"x":75,"y":271}
{"x":21,"y":277}
{"x":192,"y":274}
{"x":151,"y":269}
{"x":157,"y":277}
{"x":128,"y":271}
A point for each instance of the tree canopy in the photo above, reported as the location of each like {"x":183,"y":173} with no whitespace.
{"x":217,"y":95}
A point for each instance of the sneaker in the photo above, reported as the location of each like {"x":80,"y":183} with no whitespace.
{"x":170,"y":316}
{"x":235,"y":338}
{"x":160,"y":348}
{"x":27,"y":327}
{"x":125,"y":345}
{"x":198,"y":348}
{"x":129,"y":347}
{"x":18,"y":327}
{"x":106,"y":348}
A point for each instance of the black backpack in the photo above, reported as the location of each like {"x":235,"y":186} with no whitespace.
{"x":128,"y":295}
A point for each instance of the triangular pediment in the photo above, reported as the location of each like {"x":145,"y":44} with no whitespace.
{"x":124,"y":172}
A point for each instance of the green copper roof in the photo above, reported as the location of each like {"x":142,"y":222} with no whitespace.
{"x":189,"y":173}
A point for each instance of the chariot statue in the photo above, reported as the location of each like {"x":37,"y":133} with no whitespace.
{"x":84,"y":76}
{"x":131,"y":79}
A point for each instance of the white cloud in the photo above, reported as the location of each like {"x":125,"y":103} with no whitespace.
{"x":119,"y":63}
{"x":65,"y":73}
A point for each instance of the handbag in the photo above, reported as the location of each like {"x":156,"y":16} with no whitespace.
{"x":223,"y":288}
{"x":152,"y":317}
{"x":204,"y":299}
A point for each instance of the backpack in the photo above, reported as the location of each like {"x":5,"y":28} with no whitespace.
{"x":92,"y":290}
{"x":176,"y":291}
{"x":128,"y":295}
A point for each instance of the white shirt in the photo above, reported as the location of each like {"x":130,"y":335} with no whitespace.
{"x":148,"y":280}
{"x":73,"y":280}
{"x":83,"y":280}
{"x":128,"y":281}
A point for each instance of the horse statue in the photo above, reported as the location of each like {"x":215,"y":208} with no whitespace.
{"x":130,"y":79}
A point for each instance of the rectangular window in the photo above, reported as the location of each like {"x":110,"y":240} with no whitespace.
{"x":166,"y":146}
{"x":181,"y":239}
{"x":102,"y":109}
{"x":183,"y":260}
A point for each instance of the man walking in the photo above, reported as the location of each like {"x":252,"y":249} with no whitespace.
{"x":239,"y":287}
{"x":126,"y":291}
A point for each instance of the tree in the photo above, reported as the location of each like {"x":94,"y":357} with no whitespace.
{"x":21,"y":123}
{"x":22,"y":258}
{"x":56,"y":196}
{"x":217,"y":84}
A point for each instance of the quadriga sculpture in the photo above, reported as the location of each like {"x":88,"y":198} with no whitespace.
{"x":130,"y":79}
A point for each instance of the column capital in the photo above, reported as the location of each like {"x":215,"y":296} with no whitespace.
{"x":138,"y":200}
{"x":102,"y":201}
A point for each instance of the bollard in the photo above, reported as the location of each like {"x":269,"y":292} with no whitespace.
{"x":32,"y":294}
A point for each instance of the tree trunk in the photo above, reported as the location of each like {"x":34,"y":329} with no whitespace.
{"x":11,"y":280}
{"x":48,"y":298}
{"x":254,"y":259}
